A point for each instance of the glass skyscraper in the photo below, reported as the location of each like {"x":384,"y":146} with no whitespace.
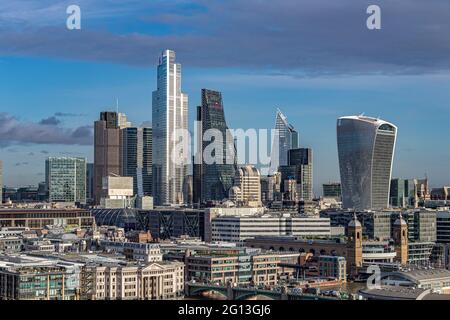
{"x":366,"y":151}
{"x":89,"y":183}
{"x":286,"y":138}
{"x":169,"y":114}
{"x":137,"y":158}
{"x":66,"y":179}
{"x":403,"y":193}
{"x":216,"y":178}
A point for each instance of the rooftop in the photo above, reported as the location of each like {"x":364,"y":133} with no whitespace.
{"x":424,"y":274}
{"x":374,"y":121}
{"x":402,"y":293}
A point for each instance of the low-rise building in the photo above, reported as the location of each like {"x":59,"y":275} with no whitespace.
{"x":117,"y":192}
{"x":153,"y":281}
{"x":10,"y":244}
{"x":37,"y":219}
{"x":437,"y":280}
{"x":39,"y":246}
{"x":33,"y":278}
{"x":235,"y":266}
{"x":147,"y":252}
{"x":332,"y":267}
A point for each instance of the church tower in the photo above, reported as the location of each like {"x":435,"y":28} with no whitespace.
{"x":400,"y":233}
{"x":354,"y":245}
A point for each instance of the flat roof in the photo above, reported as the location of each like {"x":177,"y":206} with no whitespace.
{"x":424,"y":274}
{"x":403,"y":293}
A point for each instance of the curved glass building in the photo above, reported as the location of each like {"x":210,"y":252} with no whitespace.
{"x":366,"y":151}
{"x":216,"y":178}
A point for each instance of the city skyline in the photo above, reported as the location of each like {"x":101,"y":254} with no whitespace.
{"x":230,"y":157}
{"x":415,"y":97}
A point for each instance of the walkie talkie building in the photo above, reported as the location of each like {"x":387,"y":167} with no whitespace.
{"x":366,"y":152}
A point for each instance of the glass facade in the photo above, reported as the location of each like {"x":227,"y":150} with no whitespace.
{"x":38,"y":283}
{"x":300,"y":169}
{"x":302,"y":158}
{"x":331,"y":190}
{"x":66,"y":179}
{"x":137,"y":158}
{"x":286,"y":138}
{"x":403,"y":193}
{"x":216,"y":178}
{"x":169,"y":113}
{"x":421,"y":225}
{"x":366,"y":150}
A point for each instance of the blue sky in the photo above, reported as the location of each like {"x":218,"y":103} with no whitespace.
{"x":315,"y":60}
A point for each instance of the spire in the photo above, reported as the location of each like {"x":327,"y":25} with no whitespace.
{"x":400,"y":220}
{"x":354,"y":222}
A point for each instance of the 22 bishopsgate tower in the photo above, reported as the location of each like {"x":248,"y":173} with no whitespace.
{"x":213,"y":180}
{"x":170,"y":117}
{"x":366,"y":151}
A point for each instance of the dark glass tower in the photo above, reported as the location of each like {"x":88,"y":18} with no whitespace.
{"x":366,"y":152}
{"x":299,"y":168}
{"x":217,"y":178}
{"x":137,"y":158}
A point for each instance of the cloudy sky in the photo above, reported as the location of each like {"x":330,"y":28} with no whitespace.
{"x":313,"y":59}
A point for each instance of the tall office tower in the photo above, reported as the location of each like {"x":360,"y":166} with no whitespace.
{"x":197,"y":159}
{"x":247,"y":187}
{"x":170,"y":114}
{"x":302,"y":158}
{"x":217,"y":177}
{"x":332,"y":189}
{"x":89,"y":182}
{"x":286,"y":139}
{"x":66,"y":179}
{"x":366,"y":152}
{"x":1,"y":181}
{"x":136,"y":146}
{"x":106,"y":150}
{"x":300,"y":170}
